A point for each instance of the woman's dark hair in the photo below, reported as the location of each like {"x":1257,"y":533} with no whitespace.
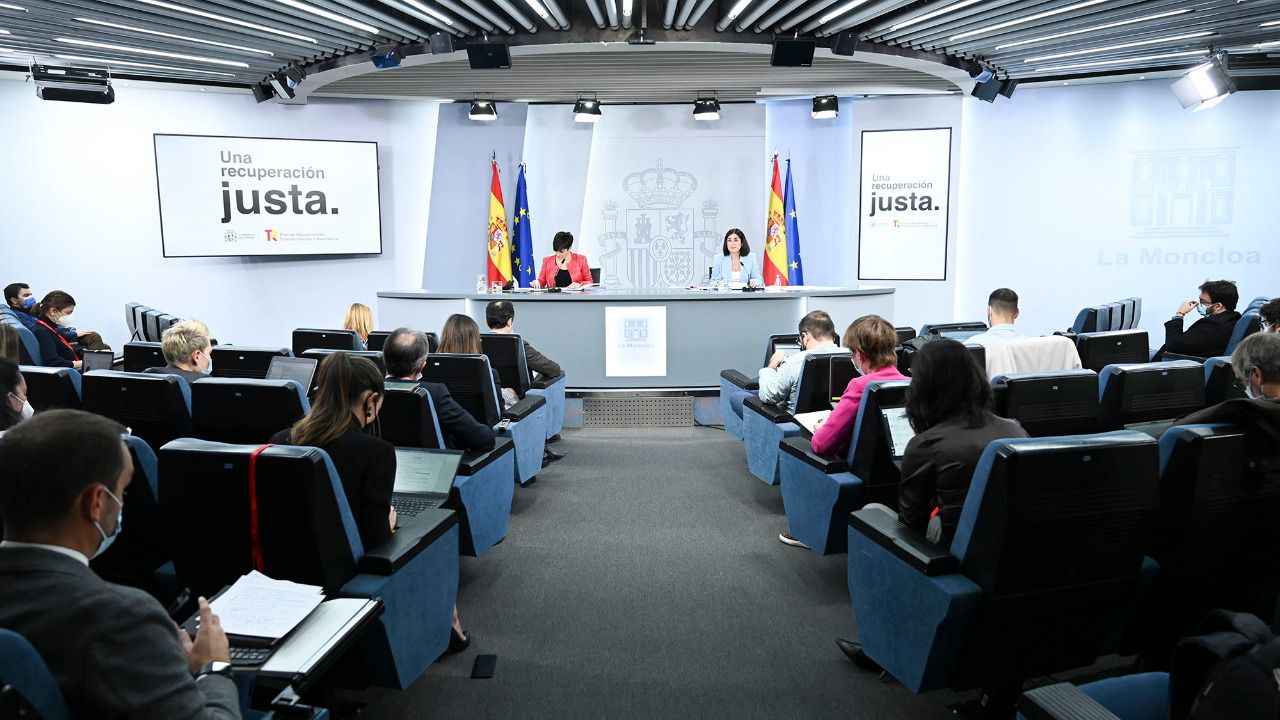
{"x":461,"y":335}
{"x":746,"y":249}
{"x":946,"y":382}
{"x":56,"y":300}
{"x":340,"y":379}
{"x":562,"y":241}
{"x":10,"y":377}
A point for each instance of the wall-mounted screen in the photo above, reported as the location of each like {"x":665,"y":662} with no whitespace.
{"x":229,"y":196}
{"x":902,"y":229}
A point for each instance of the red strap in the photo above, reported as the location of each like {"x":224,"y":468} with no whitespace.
{"x":255,"y":539}
{"x":57,"y":335}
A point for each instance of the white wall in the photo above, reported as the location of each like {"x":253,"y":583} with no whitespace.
{"x":1075,"y":196}
{"x":79,"y":209}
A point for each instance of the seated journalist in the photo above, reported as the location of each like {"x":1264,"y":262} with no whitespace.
{"x":113,"y":650}
{"x":1208,"y":336}
{"x":405,"y":354}
{"x":1269,"y":315}
{"x":1256,"y":363}
{"x":187,"y":349}
{"x":1002,"y":311}
{"x":14,"y":407}
{"x":563,"y":268}
{"x":872,"y":340}
{"x":780,"y":380}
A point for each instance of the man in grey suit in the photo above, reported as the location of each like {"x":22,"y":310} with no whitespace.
{"x":112,"y":649}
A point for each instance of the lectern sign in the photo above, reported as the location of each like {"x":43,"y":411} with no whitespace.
{"x":902,"y":210}
{"x":635,"y":341}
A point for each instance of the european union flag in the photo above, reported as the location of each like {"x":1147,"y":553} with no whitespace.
{"x":795,"y":273}
{"x":522,"y":245}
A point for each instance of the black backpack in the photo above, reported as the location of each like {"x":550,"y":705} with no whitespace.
{"x":1229,"y":672}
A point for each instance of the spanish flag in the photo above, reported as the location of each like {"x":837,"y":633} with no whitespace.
{"x":775,"y":242}
{"x":499,"y":240}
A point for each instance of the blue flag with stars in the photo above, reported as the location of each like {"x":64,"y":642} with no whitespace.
{"x":522,"y":239}
{"x":795,"y":274}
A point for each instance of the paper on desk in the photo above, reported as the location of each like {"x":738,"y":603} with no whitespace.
{"x":317,"y":635}
{"x":810,"y":419}
{"x":257,"y":606}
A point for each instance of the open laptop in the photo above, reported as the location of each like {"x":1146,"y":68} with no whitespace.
{"x":96,"y":360}
{"x":423,"y":479}
{"x":789,"y":348}
{"x":292,"y":368}
{"x":897,"y":432}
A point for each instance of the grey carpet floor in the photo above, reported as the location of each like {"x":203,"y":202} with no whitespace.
{"x":642,"y":577}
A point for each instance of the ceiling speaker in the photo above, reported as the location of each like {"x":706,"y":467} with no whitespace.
{"x":846,"y":43}
{"x":793,"y":52}
{"x":441,"y":43}
{"x":489,"y":56}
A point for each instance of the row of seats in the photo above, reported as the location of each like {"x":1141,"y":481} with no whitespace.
{"x":1120,"y":315}
{"x":28,"y":346}
{"x":147,"y":323}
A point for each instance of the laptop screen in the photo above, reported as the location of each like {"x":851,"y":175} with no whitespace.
{"x":898,"y":430}
{"x":960,"y":335}
{"x":400,"y":385}
{"x":788,"y":348}
{"x":96,"y":360}
{"x":289,"y":368}
{"x":426,"y":471}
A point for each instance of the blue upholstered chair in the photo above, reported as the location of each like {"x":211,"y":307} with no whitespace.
{"x":135,"y":556}
{"x":28,"y":346}
{"x":1144,"y":696}
{"x":1092,"y":319}
{"x":156,"y":408}
{"x":305,"y":339}
{"x":470,"y":382}
{"x":484,"y":482}
{"x":1149,"y":392}
{"x":1047,"y":552}
{"x":1049,"y":403}
{"x":1220,"y":381}
{"x":1248,"y":324}
{"x":819,"y":491}
{"x":1100,"y":349}
{"x":764,"y":425}
{"x":732,"y":380}
{"x":506,"y":355}
{"x":26,"y":685}
{"x":238,"y":410}
{"x":140,"y":355}
{"x":305,"y":532}
{"x":243,"y":361}
{"x":49,"y":388}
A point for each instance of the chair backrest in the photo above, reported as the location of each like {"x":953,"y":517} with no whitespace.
{"x":377,"y":339}
{"x":1220,"y":381}
{"x":243,"y":361}
{"x":1100,"y":349}
{"x":1219,"y":497}
{"x":318,"y":338}
{"x":140,"y":355}
{"x":134,"y":556}
{"x":470,"y":383}
{"x":1050,"y":403}
{"x":132,"y":311}
{"x":1257,"y":303}
{"x":306,"y":530}
{"x":869,"y":456}
{"x":28,"y":346}
{"x":157,"y":408}
{"x":1092,"y":319}
{"x":1248,"y":324}
{"x":1149,"y":392}
{"x":506,"y":355}
{"x":49,"y":388}
{"x":239,"y":410}
{"x":139,"y":322}
{"x":1054,"y":530}
{"x":771,"y":346}
{"x":150,"y":331}
{"x":814,"y":392}
{"x":1116,"y":315}
{"x":164,"y":321}
{"x":955,"y":330}
{"x":409,"y":416}
{"x":26,"y":684}
{"x":905,"y":333}
{"x":841,"y":373}
{"x":595,"y":275}
{"x":319,"y":355}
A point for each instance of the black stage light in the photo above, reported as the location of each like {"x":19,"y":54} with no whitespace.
{"x":706,"y":109}
{"x":441,"y":43}
{"x":483,"y":110}
{"x":280,"y":83}
{"x":825,"y":107}
{"x":387,"y":59}
{"x":66,"y":83}
{"x":262,"y":92}
{"x":978,"y":72}
{"x":587,"y":110}
{"x":987,"y":90}
{"x":1008,"y":87}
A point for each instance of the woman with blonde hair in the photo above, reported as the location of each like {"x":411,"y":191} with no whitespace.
{"x":359,"y":318}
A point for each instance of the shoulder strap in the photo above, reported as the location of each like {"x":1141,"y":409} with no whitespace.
{"x":255,"y":537}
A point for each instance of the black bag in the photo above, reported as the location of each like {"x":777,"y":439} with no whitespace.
{"x":1229,"y":672}
{"x":908,"y":349}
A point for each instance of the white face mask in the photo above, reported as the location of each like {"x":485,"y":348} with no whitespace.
{"x":27,"y":411}
{"x":66,"y":320}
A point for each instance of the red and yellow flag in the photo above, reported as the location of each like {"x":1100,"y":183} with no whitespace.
{"x":499,"y":240}
{"x":775,"y":235}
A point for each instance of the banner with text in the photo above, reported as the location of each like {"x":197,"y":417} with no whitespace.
{"x":228,"y":196}
{"x":902,"y":220}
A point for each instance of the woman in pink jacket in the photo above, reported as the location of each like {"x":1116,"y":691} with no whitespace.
{"x":872,"y":340}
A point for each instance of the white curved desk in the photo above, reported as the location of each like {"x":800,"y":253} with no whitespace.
{"x":706,"y":331}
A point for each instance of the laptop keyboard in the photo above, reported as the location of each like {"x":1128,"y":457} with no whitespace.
{"x":249,"y":657}
{"x":411,"y":506}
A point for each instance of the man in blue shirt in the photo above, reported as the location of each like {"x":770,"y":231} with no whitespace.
{"x":1002,"y":310}
{"x":22,"y":302}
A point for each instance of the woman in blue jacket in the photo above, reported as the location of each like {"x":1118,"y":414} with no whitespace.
{"x":737,"y":264}
{"x":54,"y":332}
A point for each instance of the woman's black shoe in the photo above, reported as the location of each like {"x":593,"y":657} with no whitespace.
{"x":458,"y":643}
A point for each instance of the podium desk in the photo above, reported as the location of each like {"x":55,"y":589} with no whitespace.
{"x":593,"y":334}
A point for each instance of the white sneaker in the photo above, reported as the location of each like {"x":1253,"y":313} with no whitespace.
{"x":786,"y":538}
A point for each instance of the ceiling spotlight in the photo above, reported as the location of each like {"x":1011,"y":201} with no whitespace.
{"x":483,"y":110}
{"x":587,"y":110}
{"x":977,"y":71}
{"x":282,"y":85}
{"x":706,"y":109}
{"x":386,"y":59}
{"x":825,"y":107}
{"x":1204,"y":86}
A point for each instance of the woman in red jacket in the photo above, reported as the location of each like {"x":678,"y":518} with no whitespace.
{"x":564,"y":268}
